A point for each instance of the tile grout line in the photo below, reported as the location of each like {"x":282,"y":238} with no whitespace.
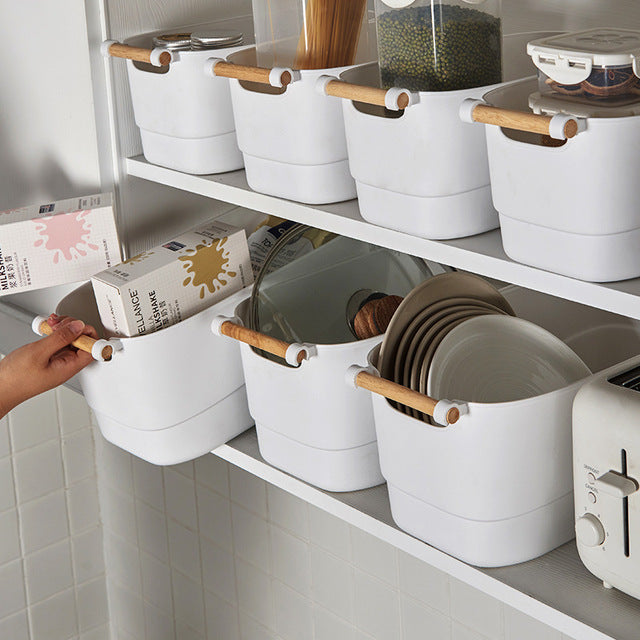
{"x":20,"y":527}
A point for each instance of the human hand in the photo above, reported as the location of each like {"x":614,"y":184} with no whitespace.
{"x":44,"y":364}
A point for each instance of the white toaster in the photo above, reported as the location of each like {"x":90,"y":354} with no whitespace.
{"x":606,"y":475}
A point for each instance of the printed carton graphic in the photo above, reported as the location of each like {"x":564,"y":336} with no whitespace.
{"x":171,"y":282}
{"x":56,"y":243}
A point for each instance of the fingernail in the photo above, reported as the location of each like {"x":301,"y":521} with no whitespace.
{"x":76,"y":326}
{"x":54,"y":316}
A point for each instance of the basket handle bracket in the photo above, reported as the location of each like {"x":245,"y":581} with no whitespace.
{"x":444,"y":412}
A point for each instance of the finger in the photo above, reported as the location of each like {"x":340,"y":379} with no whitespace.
{"x":65,"y":364}
{"x":54,"y":319}
{"x":90,"y":331}
{"x":65,"y":333}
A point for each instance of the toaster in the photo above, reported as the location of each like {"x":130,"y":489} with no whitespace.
{"x":606,"y":475}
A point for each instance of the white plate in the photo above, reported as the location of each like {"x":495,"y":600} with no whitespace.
{"x":501,"y":359}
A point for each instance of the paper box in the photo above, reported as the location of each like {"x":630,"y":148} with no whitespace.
{"x":162,"y":286}
{"x":56,"y":243}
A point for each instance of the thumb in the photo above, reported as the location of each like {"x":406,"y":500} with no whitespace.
{"x":64,"y":334}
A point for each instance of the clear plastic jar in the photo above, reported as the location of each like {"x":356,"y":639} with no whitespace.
{"x":599,"y":66}
{"x":439,"y":45}
{"x":311,"y":34}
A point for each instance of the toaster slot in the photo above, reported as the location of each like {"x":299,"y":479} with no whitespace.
{"x":625,"y":507}
{"x":629,"y":379}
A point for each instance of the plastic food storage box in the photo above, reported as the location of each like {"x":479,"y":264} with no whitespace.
{"x":168,"y":396}
{"x":595,"y":66}
{"x":569,"y":206}
{"x":496,"y":488}
{"x":423,"y":171}
{"x":186,"y":118}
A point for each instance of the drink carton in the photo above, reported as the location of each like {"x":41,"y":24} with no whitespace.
{"x":162,"y":286}
{"x":56,"y":243}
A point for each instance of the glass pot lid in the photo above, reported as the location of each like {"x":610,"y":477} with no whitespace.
{"x":313,"y":282}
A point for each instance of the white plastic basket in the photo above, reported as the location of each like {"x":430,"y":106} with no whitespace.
{"x":571,"y":209}
{"x":292,"y":138}
{"x":496,"y":488}
{"x":418,"y":168}
{"x":169,"y":396}
{"x":186,"y":118}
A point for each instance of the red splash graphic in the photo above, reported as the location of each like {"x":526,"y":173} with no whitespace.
{"x":67,"y":235}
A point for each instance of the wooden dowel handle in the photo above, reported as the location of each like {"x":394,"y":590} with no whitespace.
{"x":258,"y":340}
{"x":520,"y":121}
{"x":251,"y":74}
{"x":118,"y":50}
{"x":398,"y":393}
{"x":84,"y":343}
{"x":369,"y":95}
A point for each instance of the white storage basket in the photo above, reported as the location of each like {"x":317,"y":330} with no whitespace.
{"x":422,"y":170}
{"x":309,"y":422}
{"x":186,"y":118}
{"x":496,"y":488}
{"x":571,"y":209}
{"x":292,"y":138}
{"x":169,"y":396}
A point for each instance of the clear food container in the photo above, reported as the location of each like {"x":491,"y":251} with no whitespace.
{"x":439,"y":45}
{"x":594,"y":66}
{"x":311,"y":34}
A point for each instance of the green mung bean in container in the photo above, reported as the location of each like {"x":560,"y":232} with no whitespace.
{"x":437,"y":45}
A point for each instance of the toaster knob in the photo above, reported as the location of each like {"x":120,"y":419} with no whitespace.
{"x":589,"y":530}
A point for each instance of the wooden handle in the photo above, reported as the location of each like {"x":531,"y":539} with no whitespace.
{"x":258,"y":340}
{"x":360,"y":93}
{"x":138,"y":54}
{"x":519,"y":120}
{"x":84,"y":343}
{"x":407,"y":397}
{"x":250,"y":74}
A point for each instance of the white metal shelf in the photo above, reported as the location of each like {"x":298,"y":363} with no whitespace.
{"x":555,"y":589}
{"x":482,"y":254}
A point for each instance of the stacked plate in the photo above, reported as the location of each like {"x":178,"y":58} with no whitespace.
{"x":502,"y":359}
{"x":425,"y":317}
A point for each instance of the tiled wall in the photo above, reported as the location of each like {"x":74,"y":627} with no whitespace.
{"x":52,"y":573}
{"x":206,"y":550}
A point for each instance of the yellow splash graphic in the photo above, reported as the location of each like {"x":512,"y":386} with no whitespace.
{"x":139,"y":258}
{"x":207,"y":264}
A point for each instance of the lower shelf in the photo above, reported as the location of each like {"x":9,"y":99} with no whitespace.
{"x":555,"y":589}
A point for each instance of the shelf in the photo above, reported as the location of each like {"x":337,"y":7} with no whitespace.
{"x":555,"y":589}
{"x":482,"y":254}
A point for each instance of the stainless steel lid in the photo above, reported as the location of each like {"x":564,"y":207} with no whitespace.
{"x":215,"y":39}
{"x":173,"y":41}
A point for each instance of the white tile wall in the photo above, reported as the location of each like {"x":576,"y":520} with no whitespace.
{"x":217,"y":554}
{"x":52,"y":571}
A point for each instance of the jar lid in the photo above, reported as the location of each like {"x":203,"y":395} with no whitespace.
{"x":173,"y":41}
{"x":217,"y":39}
{"x":569,"y":58}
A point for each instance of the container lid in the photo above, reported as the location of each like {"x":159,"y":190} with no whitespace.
{"x":569,"y":58}
{"x":173,"y":41}
{"x":550,"y":105}
{"x":215,"y":39}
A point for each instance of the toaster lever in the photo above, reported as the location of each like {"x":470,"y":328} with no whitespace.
{"x":616,"y":485}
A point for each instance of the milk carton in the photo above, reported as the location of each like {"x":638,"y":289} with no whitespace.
{"x":162,"y":286}
{"x":56,"y":243}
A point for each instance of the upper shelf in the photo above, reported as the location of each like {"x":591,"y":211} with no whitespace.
{"x":482,"y":254}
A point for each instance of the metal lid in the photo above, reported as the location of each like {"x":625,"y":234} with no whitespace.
{"x":217,"y":39}
{"x":173,"y":41}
